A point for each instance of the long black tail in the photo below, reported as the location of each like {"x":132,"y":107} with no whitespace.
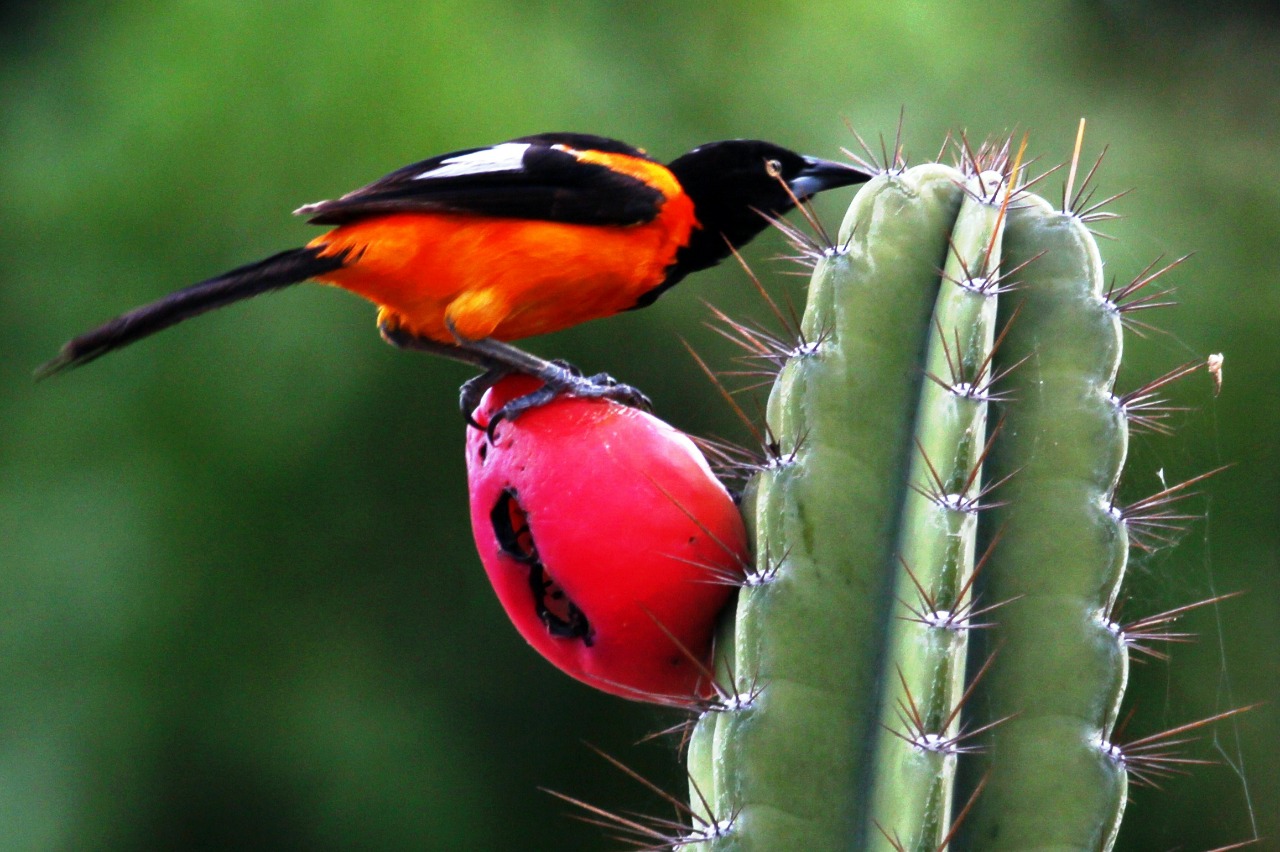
{"x":279,"y":270}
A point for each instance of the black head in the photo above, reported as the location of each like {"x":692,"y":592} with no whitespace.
{"x":735,"y":184}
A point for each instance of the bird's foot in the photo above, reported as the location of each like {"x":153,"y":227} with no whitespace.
{"x":557,"y":378}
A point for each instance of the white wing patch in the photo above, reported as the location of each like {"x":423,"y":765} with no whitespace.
{"x":507,"y":157}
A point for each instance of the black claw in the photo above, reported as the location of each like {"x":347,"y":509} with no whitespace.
{"x":466,"y":414}
{"x":470,"y":394}
{"x":520,"y":405}
{"x":491,"y":431}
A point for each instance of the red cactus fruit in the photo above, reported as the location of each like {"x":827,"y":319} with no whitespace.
{"x":608,"y":540}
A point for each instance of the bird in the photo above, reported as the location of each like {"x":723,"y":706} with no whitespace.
{"x":467,"y":251}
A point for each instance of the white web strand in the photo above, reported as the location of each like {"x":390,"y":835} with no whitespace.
{"x":1225,"y":691}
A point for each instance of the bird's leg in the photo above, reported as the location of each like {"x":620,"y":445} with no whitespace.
{"x":472,"y":389}
{"x":499,"y":359}
{"x":556,"y":376}
{"x":402,"y":339}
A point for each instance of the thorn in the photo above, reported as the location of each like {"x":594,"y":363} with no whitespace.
{"x":1146,"y":410}
{"x":1071,"y":173}
{"x":1156,"y":628}
{"x":993,"y":156}
{"x":1094,"y":213}
{"x":812,"y":246}
{"x":725,"y":700}
{"x":697,"y":701}
{"x":1153,"y":757}
{"x":959,"y":614}
{"x":732,"y":463}
{"x":728,"y":397}
{"x":958,"y":500}
{"x":897,"y":139}
{"x":766,"y":575}
{"x":964,"y":812}
{"x":684,"y":728}
{"x":674,"y":801}
{"x":947,"y":141}
{"x":1029,"y":184}
{"x":991,"y":285}
{"x":1008,"y":185}
{"x":1242,"y":844}
{"x":892,"y":839}
{"x":1080,"y":203}
{"x":650,"y":832}
{"x":758,"y":344}
{"x":967,"y":158}
{"x":716,"y":696}
{"x":1119,"y":298}
{"x":976,"y":383}
{"x":867,"y":159}
{"x":919,"y":735}
{"x":1150,"y":525}
{"x":790,"y":323}
{"x":882,"y":164}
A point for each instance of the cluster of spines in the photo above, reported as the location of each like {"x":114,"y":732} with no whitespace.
{"x":971,"y":374}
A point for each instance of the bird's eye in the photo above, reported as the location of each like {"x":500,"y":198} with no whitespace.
{"x":773,"y":168}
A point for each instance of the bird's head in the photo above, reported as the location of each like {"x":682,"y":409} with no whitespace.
{"x":735,"y":185}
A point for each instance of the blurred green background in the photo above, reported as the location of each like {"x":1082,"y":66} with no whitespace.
{"x":239,"y":604}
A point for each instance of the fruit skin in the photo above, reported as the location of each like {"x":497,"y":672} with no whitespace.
{"x":625,"y":519}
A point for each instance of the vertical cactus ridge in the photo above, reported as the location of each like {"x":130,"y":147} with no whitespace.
{"x":1059,"y":672}
{"x":809,"y":642}
{"x":928,"y":637}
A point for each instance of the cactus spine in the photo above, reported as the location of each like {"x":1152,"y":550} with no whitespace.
{"x":898,"y":515}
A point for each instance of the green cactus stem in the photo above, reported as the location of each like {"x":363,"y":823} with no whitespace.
{"x":1060,"y":670}
{"x":921,"y":737}
{"x":925,"y":655}
{"x":793,"y":764}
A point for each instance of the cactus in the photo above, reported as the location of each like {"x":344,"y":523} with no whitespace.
{"x":1060,"y":673}
{"x":946,"y":449}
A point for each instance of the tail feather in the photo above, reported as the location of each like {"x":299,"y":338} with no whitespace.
{"x":272,"y":273}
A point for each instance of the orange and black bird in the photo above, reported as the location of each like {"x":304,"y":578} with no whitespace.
{"x":466,"y":251}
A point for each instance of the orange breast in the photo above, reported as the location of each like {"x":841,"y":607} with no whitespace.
{"x":506,"y":278}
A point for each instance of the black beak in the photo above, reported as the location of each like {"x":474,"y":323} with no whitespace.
{"x":818,"y":175}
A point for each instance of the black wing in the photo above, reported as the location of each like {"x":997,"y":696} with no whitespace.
{"x":532,"y":177}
